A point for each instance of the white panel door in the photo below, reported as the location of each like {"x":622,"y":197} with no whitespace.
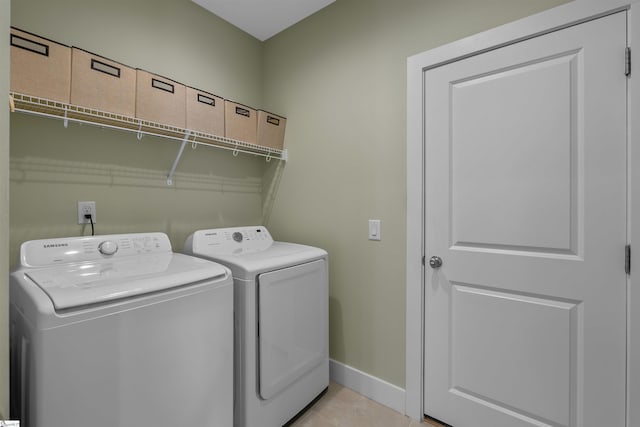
{"x":525,"y":203}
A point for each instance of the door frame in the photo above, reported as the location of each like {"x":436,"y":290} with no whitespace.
{"x":545,"y":22}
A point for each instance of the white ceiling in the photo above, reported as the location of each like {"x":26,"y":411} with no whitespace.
{"x":263,"y":18}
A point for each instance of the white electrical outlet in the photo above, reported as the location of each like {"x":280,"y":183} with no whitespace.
{"x":86,"y":208}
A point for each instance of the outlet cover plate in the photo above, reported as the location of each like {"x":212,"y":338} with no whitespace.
{"x":86,"y":208}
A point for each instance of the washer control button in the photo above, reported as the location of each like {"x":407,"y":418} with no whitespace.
{"x":237,"y":236}
{"x":108,"y":247}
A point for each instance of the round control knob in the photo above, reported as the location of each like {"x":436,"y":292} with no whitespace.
{"x":237,"y":236}
{"x":108,"y":247}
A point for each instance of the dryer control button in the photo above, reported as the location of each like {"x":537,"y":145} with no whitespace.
{"x":108,"y":247}
{"x":237,"y":236}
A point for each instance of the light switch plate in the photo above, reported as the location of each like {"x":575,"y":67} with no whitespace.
{"x":374,"y":229}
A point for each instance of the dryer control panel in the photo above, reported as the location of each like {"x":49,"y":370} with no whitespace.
{"x":235,"y":240}
{"x":40,"y":253}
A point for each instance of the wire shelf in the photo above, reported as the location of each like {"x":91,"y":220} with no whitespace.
{"x":75,"y":113}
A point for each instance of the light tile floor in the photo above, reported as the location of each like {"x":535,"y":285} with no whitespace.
{"x":343,"y":407}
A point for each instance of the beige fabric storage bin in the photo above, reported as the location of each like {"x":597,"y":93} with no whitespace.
{"x":205,"y":112}
{"x":102,"y":84}
{"x":40,"y":67}
{"x":240,"y":122}
{"x":160,"y":100}
{"x":271,"y":130}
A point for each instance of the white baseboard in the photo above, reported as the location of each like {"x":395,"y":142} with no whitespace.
{"x":372,"y":387}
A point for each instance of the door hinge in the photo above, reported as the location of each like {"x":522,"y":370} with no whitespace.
{"x":627,"y":62}
{"x":627,"y":259}
{"x":423,"y":259}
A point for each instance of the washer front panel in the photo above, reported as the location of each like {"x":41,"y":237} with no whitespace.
{"x":137,"y":364}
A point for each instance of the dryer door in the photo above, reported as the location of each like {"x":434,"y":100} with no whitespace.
{"x":293,"y":313}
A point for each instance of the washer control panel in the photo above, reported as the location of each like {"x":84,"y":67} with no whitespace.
{"x":235,"y":240}
{"x":45,"y":252}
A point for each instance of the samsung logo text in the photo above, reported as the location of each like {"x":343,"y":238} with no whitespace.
{"x":55,"y":245}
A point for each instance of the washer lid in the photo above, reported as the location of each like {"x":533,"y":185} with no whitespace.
{"x":94,"y":282}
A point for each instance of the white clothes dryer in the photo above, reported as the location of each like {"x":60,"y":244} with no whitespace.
{"x":119,"y":331}
{"x":281,"y":297}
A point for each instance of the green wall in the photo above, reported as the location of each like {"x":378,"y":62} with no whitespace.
{"x":4,"y":213}
{"x":52,"y":167}
{"x":340,"y":77}
{"x":174,"y":38}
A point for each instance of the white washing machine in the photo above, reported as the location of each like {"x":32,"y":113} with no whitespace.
{"x":281,"y":295}
{"x":119,"y":331}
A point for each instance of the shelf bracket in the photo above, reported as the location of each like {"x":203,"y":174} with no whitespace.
{"x":139,"y":135}
{"x":175,"y":162}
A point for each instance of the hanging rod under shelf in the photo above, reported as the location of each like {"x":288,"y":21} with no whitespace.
{"x":74,"y":113}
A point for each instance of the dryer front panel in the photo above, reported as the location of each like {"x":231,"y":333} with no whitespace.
{"x":293,"y":316}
